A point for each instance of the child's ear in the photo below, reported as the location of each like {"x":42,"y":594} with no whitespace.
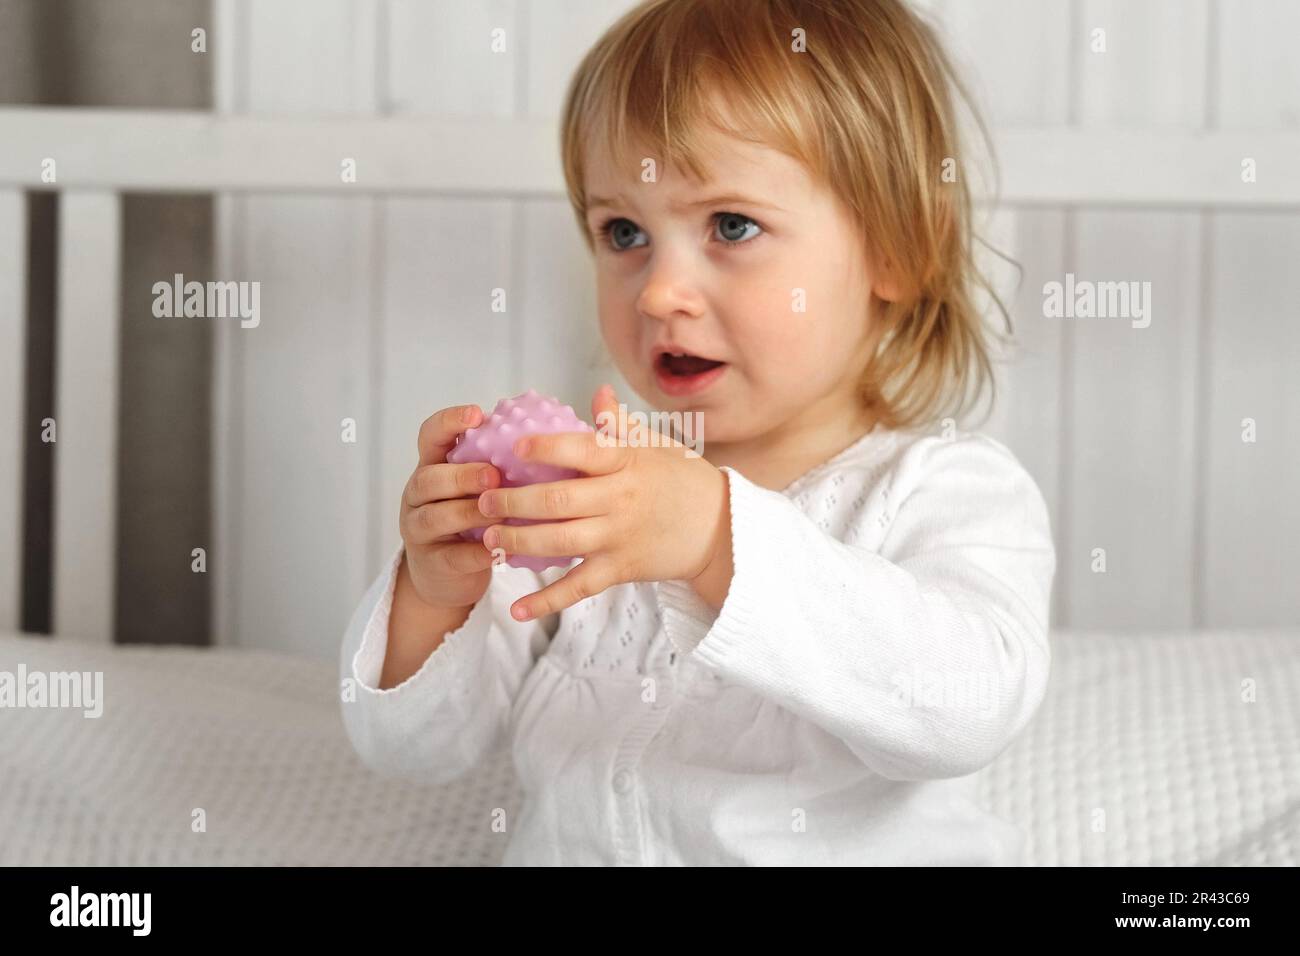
{"x":886,"y":283}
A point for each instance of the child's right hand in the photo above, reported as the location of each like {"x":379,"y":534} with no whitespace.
{"x":441,"y":500}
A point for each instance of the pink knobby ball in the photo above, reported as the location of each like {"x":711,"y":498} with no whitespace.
{"x":494,"y":441}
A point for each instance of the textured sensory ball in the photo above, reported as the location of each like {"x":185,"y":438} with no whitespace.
{"x":494,"y":440}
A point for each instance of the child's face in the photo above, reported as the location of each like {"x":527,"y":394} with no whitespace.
{"x":785,"y":307}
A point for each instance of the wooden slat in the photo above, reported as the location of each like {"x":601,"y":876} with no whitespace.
{"x":1120,"y":167}
{"x":230,"y":74}
{"x":494,"y":157}
{"x":187,"y":152}
{"x":227,"y":445}
{"x":13,"y":431}
{"x":86,"y":403}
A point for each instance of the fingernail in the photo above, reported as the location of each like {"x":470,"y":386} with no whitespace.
{"x":523,"y":447}
{"x":521,"y":613}
{"x":485,"y":478}
{"x":487,"y":504}
{"x":467,"y":415}
{"x":491,"y":538}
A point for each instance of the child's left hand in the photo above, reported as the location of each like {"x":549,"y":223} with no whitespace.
{"x":638,"y":512}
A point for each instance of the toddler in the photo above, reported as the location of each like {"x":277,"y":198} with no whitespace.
{"x":799,"y":647}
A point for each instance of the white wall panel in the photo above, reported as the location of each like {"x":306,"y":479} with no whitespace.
{"x":1014,"y":54}
{"x":1029,"y":406}
{"x":452,"y":58}
{"x":310,"y":56}
{"x":1015,"y":59}
{"x":1258,"y":71}
{"x":1252,"y":536}
{"x":1153,"y":70}
{"x":296,"y":522}
{"x":301,"y":518}
{"x":559,"y":35}
{"x":562,"y":348}
{"x":442,"y":343}
{"x":1132,"y":431}
{"x":381,"y":308}
{"x":1250,"y":542}
{"x":1131,"y":462}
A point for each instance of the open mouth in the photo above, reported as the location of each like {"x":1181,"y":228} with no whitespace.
{"x":683,"y":374}
{"x":684,"y":366}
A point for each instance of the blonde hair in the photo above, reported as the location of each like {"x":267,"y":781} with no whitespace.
{"x":868,"y":109}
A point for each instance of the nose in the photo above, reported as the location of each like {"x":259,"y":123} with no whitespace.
{"x":671,"y":288}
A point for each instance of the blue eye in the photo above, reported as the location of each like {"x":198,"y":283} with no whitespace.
{"x":619,"y":229}
{"x":730,"y":228}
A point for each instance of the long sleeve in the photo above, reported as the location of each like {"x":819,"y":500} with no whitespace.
{"x":440,"y":722}
{"x":922,"y":646}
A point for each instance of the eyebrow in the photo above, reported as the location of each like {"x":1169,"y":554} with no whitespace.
{"x":598,"y":201}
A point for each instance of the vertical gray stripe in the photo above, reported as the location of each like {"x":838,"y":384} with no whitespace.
{"x":38,"y":456}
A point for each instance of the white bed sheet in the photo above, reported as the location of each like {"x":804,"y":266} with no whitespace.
{"x":1145,"y":752}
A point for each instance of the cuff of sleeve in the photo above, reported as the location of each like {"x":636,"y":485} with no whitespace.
{"x":687,"y":617}
{"x":454,"y":651}
{"x":717,"y":637}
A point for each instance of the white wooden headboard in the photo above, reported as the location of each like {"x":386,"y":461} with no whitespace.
{"x":1116,"y":165}
{"x":102,"y":154}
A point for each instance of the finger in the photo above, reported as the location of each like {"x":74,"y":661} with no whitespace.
{"x":582,"y":451}
{"x":461,"y":557}
{"x":439,"y":482}
{"x":620,"y":429}
{"x":604,"y":412}
{"x":438,"y":432}
{"x":441,"y":519}
{"x":547,"y":500}
{"x":586,"y":580}
{"x":558,"y":539}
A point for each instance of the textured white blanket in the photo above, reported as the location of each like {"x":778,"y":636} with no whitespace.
{"x":1147,"y":751}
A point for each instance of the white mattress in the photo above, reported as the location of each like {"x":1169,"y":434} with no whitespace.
{"x":1151,"y":731}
